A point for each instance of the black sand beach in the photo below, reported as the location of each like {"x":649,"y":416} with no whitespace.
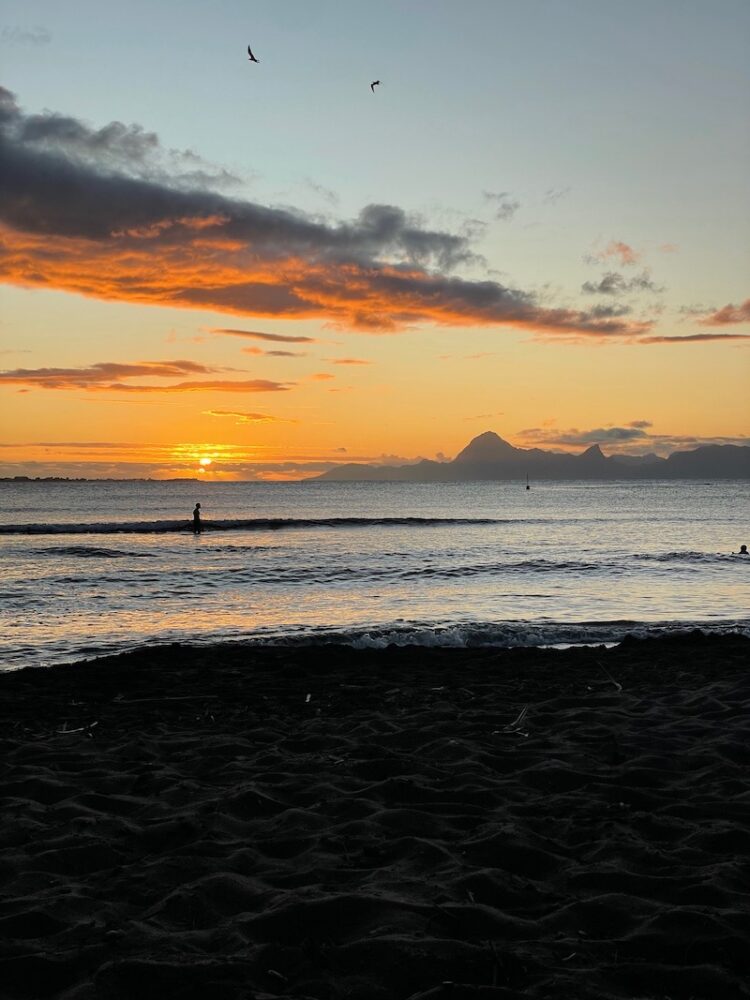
{"x":328,"y":823}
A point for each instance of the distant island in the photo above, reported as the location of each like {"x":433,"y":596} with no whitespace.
{"x":489,"y":457}
{"x":98,"y":479}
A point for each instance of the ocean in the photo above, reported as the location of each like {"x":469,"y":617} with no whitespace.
{"x":90,"y":568}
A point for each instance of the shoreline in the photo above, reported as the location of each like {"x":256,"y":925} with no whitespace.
{"x":328,"y":822}
{"x":467,"y":637}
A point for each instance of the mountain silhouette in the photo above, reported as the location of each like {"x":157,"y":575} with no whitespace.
{"x":487,"y":447}
{"x":489,"y":457}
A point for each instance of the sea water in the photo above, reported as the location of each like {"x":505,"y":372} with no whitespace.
{"x":88,"y":568}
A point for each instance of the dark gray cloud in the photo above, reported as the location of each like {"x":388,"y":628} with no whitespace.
{"x":613,"y":283}
{"x":114,"y":148}
{"x":504,"y":204}
{"x":323,"y":192}
{"x":60,"y":178}
{"x":635,"y":438}
{"x":609,"y":311}
{"x":601,"y":435}
{"x":696,"y":310}
{"x":553,"y":195}
{"x":85,"y":210}
{"x":693,"y":338}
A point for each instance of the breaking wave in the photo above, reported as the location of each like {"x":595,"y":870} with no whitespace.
{"x":239,"y":524}
{"x":501,"y":634}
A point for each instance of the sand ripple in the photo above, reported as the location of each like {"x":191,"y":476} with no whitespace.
{"x":247,"y":823}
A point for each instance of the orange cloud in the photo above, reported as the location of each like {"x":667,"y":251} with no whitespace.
{"x":385,"y":298}
{"x":247,"y":385}
{"x":99,"y":378}
{"x":77,"y":378}
{"x":243,"y":417}
{"x":729,"y":315}
{"x":256,"y":351}
{"x":257,"y":335}
{"x":348,"y":361}
{"x":83,"y":213}
{"x":621,"y":251}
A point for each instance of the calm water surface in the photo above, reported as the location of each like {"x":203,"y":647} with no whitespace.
{"x":87,"y":568}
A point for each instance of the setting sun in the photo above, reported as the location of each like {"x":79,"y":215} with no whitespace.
{"x":374,"y":466}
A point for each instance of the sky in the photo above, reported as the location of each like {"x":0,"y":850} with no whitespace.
{"x":537,"y":224}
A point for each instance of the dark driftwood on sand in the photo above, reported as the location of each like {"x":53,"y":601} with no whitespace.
{"x":519,"y":823}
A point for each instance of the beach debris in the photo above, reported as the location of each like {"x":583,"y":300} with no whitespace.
{"x":497,"y":964}
{"x":277,"y":975}
{"x":308,"y":698}
{"x":609,"y":676}
{"x":445,"y":989}
{"x":571,"y":955}
{"x":518,"y":721}
{"x":163,"y":698}
{"x":81,"y":729}
{"x":516,"y":726}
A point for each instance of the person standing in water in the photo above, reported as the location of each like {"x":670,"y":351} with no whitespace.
{"x":197,"y":528}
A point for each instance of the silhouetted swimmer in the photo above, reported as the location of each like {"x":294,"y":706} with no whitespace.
{"x":743,"y":551}
{"x":197,"y":527}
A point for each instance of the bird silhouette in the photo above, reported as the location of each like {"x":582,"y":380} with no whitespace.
{"x":374,"y":84}
{"x":250,"y":55}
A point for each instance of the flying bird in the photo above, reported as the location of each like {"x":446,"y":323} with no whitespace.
{"x":374,"y":84}
{"x":250,"y":55}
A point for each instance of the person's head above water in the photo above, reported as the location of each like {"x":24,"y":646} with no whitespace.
{"x":743,"y":550}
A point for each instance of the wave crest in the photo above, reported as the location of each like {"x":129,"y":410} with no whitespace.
{"x":237,"y":524}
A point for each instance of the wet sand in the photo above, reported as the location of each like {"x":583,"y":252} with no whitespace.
{"x":244,"y":823}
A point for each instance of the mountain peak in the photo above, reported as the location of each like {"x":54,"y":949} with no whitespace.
{"x":594,"y":452}
{"x":487,"y":447}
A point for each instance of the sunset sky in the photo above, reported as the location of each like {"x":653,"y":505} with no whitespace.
{"x":537,"y":225}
